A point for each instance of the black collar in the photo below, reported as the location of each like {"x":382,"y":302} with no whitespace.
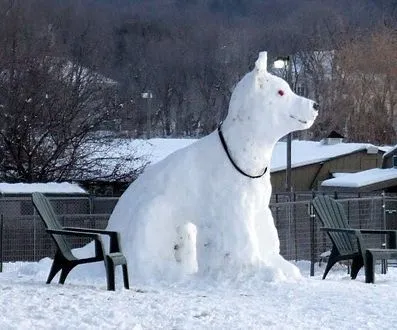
{"x":231,"y":159}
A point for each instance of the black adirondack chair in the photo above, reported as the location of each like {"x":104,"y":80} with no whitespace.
{"x":347,"y":243}
{"x":64,"y":259}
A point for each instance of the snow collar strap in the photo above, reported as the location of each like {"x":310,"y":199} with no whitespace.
{"x":221,"y":137}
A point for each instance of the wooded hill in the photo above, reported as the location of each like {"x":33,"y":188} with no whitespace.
{"x":166,"y":68}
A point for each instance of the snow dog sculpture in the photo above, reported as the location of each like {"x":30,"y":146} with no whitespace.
{"x":204,"y":209}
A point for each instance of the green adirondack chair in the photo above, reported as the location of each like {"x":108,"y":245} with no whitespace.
{"x":64,"y":259}
{"x":347,"y":243}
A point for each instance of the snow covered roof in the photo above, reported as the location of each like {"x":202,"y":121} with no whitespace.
{"x":133,"y":154}
{"x":50,"y":188}
{"x":302,"y":152}
{"x":390,"y":152}
{"x":158,"y":149}
{"x":383,"y":177}
{"x":311,"y":152}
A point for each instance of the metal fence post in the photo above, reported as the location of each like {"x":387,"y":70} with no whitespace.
{"x":384,"y":209}
{"x":1,"y":243}
{"x":91,"y":204}
{"x":295,"y":227}
{"x":313,"y":243}
{"x":34,"y":236}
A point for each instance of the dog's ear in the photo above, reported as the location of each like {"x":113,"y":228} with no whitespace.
{"x":261,"y":63}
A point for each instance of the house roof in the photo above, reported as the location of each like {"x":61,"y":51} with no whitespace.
{"x":302,"y":152}
{"x":390,"y":152}
{"x":311,"y":152}
{"x":49,"y":188}
{"x":369,"y":180}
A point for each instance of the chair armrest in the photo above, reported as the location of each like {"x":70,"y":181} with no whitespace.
{"x":391,"y":236}
{"x":99,"y":251}
{"x":391,"y":239}
{"x":114,"y":236}
{"x":91,"y":230}
{"x":377,"y":231}
{"x":73,"y":233}
{"x":341,"y":230}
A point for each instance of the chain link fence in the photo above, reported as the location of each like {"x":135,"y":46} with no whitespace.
{"x":23,"y":236}
{"x":299,"y":231}
{"x":22,"y":232}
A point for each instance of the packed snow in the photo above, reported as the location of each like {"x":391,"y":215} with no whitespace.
{"x":337,"y":302}
{"x":197,"y":211}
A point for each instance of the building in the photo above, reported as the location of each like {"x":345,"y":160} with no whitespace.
{"x":312,"y":162}
{"x":377,"y":179}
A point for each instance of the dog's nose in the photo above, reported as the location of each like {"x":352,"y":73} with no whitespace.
{"x":316,"y":106}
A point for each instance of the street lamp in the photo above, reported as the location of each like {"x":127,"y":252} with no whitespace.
{"x":280,"y":63}
{"x":148,"y":96}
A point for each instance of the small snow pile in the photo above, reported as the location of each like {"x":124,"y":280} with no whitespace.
{"x":195,"y":213}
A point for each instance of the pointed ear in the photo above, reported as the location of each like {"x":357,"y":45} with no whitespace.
{"x":261,"y":63}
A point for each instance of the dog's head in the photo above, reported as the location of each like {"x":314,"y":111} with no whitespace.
{"x":262,"y":101}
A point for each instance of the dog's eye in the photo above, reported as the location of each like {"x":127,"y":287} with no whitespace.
{"x":280,"y":92}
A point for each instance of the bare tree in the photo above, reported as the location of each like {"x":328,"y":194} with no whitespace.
{"x":51,"y":108}
{"x":367,"y":69}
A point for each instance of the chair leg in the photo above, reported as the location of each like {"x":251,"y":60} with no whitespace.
{"x":332,"y":259}
{"x":330,"y":263}
{"x":369,"y":268}
{"x":65,"y":271}
{"x":109,"y":266}
{"x":59,"y":260}
{"x":357,"y":263}
{"x":55,"y":268}
{"x":125,"y":276}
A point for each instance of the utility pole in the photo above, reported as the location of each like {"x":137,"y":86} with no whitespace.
{"x":289,"y":136}
{"x":285,"y":62}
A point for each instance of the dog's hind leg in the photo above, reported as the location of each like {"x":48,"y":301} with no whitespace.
{"x":185,"y":248}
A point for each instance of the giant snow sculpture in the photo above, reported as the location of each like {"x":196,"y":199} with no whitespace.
{"x":204,"y":209}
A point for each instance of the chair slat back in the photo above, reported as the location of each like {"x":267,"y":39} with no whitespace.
{"x":50,"y":219}
{"x":332,"y":214}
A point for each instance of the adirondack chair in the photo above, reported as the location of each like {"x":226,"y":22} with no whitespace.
{"x":347,"y":243}
{"x":64,"y":259}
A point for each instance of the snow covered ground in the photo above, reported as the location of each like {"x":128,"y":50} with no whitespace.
{"x":26,"y":302}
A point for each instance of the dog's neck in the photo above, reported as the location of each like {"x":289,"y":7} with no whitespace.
{"x":250,"y":148}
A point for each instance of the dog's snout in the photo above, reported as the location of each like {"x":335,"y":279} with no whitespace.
{"x":316,"y":106}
